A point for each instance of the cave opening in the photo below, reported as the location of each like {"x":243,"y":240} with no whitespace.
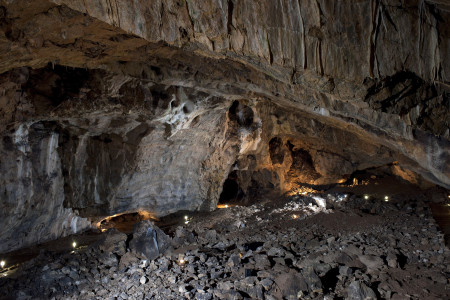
{"x":231,"y":193}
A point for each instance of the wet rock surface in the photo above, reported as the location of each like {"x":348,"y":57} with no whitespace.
{"x":290,"y":249}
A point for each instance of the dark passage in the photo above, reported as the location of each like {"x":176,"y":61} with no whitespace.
{"x":231,"y":193}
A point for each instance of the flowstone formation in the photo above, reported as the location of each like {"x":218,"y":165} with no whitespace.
{"x":109,"y":107}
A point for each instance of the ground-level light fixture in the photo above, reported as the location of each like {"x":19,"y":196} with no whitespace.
{"x":386,"y":198}
{"x":294,"y":217}
{"x":74,"y":244}
{"x":224,"y":205}
{"x":2,"y":263}
{"x":366,"y":197}
{"x":181,"y":260}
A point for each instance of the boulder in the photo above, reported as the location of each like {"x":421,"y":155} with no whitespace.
{"x":112,"y":242}
{"x":313,"y":281}
{"x":128,"y":259}
{"x":372,"y":262}
{"x":359,"y":291}
{"x":291,"y":284}
{"x":148,"y":240}
{"x":183,"y":236}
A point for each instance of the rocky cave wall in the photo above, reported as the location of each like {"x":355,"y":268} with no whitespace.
{"x":108,"y":107}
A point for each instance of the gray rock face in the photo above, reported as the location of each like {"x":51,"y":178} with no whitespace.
{"x":359,"y":291}
{"x":111,"y":108}
{"x":148,"y":240}
{"x":102,"y":165}
{"x":33,"y":189}
{"x":318,"y":36}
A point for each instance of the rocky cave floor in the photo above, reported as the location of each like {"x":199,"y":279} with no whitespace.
{"x":314,"y":246}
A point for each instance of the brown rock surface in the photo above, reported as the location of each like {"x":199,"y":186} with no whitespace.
{"x":109,"y":107}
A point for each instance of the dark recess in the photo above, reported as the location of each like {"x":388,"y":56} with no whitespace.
{"x":276,"y":150}
{"x":330,"y":279}
{"x":241,"y":113}
{"x":230,"y":16}
{"x":302,"y":164}
{"x":56,"y":83}
{"x":231,"y":191}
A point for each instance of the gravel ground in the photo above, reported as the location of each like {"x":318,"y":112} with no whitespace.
{"x":315,"y":246}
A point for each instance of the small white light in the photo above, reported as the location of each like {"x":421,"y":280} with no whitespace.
{"x":74,"y":244}
{"x":226,"y":205}
{"x":186,"y":217}
{"x":366,"y":197}
{"x":181,"y":261}
{"x":386,"y":198}
{"x":2,"y":263}
{"x":294,"y":217}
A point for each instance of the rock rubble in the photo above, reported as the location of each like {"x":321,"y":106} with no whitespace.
{"x":380,"y":250}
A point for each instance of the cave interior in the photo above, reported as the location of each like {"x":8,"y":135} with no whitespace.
{"x":190,"y":149}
